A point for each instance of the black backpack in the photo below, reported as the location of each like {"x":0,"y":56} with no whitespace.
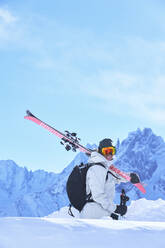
{"x":76,"y":186}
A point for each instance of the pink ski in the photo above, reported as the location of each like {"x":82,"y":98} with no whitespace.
{"x":71,"y":141}
{"x":127,"y":177}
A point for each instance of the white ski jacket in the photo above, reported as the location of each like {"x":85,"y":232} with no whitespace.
{"x":101,"y":188}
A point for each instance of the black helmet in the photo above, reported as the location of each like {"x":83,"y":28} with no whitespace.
{"x":104,"y":143}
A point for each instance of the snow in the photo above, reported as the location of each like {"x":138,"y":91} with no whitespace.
{"x":147,"y":210}
{"x":143,"y":226}
{"x":50,"y":232}
{"x":139,"y":210}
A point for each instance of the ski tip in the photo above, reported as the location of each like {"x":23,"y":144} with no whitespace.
{"x":29,"y":113}
{"x":140,"y":187}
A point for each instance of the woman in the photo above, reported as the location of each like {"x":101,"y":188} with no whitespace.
{"x":100,"y":184}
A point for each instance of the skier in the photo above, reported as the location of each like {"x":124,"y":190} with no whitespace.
{"x":100,"y":185}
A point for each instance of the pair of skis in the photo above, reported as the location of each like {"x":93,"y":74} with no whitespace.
{"x":71,"y":142}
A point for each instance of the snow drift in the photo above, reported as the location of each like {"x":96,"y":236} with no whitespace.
{"x":143,"y":226}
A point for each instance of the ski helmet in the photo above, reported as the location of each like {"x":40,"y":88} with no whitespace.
{"x":104,"y":143}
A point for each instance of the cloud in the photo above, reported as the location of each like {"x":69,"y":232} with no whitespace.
{"x":125,"y":74}
{"x":21,"y":32}
{"x":128,"y":81}
{"x":6,"y":16}
{"x":133,"y":95}
{"x":8,"y":28}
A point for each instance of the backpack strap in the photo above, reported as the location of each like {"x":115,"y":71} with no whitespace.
{"x":88,"y":197}
{"x":70,"y":211}
{"x":109,"y":172}
{"x":91,"y":164}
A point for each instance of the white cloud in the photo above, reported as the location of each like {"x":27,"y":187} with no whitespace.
{"x":133,"y":83}
{"x":126,"y":94}
{"x":8,"y":27}
{"x":6,"y":16}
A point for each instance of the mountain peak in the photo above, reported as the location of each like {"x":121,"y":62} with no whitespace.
{"x":147,"y":131}
{"x":38,"y":193}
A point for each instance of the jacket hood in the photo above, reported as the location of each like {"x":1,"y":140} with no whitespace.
{"x":98,"y":158}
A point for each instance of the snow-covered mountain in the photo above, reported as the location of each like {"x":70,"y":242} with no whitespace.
{"x":27,"y":193}
{"x":39,"y":193}
{"x":144,"y":153}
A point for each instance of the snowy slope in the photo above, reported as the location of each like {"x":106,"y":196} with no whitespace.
{"x":146,"y":210}
{"x":65,"y":233}
{"x":139,"y":210}
{"x":17,"y":232}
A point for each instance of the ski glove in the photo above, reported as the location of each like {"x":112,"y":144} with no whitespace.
{"x":134,"y":178}
{"x":121,"y":209}
{"x":114,"y":216}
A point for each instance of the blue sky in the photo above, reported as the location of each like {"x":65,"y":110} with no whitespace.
{"x":93,"y":67}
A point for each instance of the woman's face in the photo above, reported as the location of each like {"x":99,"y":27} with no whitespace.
{"x":109,"y":157}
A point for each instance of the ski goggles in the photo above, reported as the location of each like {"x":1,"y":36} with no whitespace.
{"x":108,"y":150}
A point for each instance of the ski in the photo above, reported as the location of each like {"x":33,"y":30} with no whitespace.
{"x":128,"y":178}
{"x":71,"y":142}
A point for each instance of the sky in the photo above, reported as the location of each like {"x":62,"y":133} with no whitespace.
{"x":91,"y":67}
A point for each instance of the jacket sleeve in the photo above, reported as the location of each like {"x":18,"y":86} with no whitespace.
{"x":122,"y":179}
{"x":96,"y":179}
{"x":119,"y":179}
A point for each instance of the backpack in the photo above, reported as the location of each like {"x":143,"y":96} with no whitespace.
{"x":76,"y":186}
